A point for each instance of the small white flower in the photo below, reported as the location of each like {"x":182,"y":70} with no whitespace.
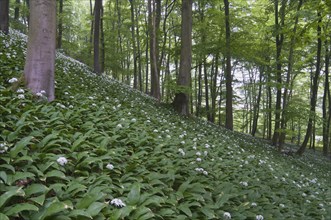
{"x":62,"y":161}
{"x":20,"y":91}
{"x":227,"y":215}
{"x":155,"y":131}
{"x":321,"y":205}
{"x":117,"y":202}
{"x":199,"y":159}
{"x":110,"y":166}
{"x":205,"y":153}
{"x":182,"y":142}
{"x":168,"y":136}
{"x":12,"y":80}
{"x":119,"y":126}
{"x":244,"y":183}
{"x":205,"y":173}
{"x":39,"y":94}
{"x":3,"y":148}
{"x":282,"y":205}
{"x":180,"y":150}
{"x":259,"y":217}
{"x":21,"y":96}
{"x":253,"y":204}
{"x":198,"y":153}
{"x":304,"y":194}
{"x":133,"y":120}
{"x":207,"y":146}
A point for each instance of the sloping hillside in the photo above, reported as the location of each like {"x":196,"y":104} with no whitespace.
{"x":105,"y":151}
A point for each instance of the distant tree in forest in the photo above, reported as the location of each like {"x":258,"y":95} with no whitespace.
{"x":4,"y":16}
{"x":40,"y":60}
{"x":96,"y":36}
{"x":181,"y":101}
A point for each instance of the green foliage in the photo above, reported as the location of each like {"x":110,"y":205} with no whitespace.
{"x":104,"y":151}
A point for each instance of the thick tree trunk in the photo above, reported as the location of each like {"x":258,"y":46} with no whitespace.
{"x":102,"y":39}
{"x":96,"y":37}
{"x":228,"y":74}
{"x":205,"y":74}
{"x":314,"y":88}
{"x":40,"y":60}
{"x":181,"y":102}
{"x":4,"y":16}
{"x":139,"y":52}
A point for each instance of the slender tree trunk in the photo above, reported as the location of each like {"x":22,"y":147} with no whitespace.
{"x":4,"y":16}
{"x":181,"y":102}
{"x":214,"y":88}
{"x":135,"y":74}
{"x":198,"y":113}
{"x":279,"y":45}
{"x":139,"y":52}
{"x":96,"y":37}
{"x":17,"y":10}
{"x":148,"y":36}
{"x":288,"y":78}
{"x":60,"y":26}
{"x":40,"y":60}
{"x":92,"y":10}
{"x":256,"y":110}
{"x":228,"y":74}
{"x":326,"y":96}
{"x":205,"y":74}
{"x":314,"y":88}
{"x":102,"y":39}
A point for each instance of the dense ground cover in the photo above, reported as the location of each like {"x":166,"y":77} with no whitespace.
{"x":104,"y":151}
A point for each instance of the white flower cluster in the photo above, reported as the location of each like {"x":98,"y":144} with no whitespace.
{"x":244,"y":183}
{"x":181,"y":151}
{"x":62,"y":161}
{"x":117,"y":202}
{"x":227,"y":215}
{"x":110,"y":166}
{"x":201,"y":170}
{"x":3,"y":148}
{"x":13,"y":80}
{"x":259,"y":217}
{"x":42,"y":93}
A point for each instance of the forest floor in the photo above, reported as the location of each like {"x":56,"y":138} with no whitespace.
{"x":102,"y":150}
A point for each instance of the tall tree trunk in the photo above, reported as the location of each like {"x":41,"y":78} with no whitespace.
{"x":140,"y":80}
{"x":269,"y":99}
{"x":96,"y":37}
{"x":257,"y":104}
{"x":279,"y":45}
{"x":40,"y":60}
{"x":133,"y":35}
{"x":148,"y":36}
{"x":92,"y":10}
{"x":288,"y":79}
{"x":228,"y":74}
{"x":17,"y":10}
{"x":102,"y":39}
{"x":205,"y":74}
{"x":198,"y":113}
{"x":314,"y":88}
{"x":214,"y":88}
{"x":181,"y":101}
{"x":326,"y":96}
{"x":60,"y":26}
{"x":4,"y":16}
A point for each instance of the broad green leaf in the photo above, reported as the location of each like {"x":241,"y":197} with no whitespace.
{"x":134,"y":194}
{"x":55,"y":173}
{"x":39,"y":199}
{"x":80,"y":213}
{"x":21,"y":176}
{"x":86,"y":201}
{"x":46,"y":139}
{"x":3,"y":176}
{"x":16,"y":209}
{"x":95,"y":208}
{"x":19,"y":146}
{"x":36,"y":189}
{"x":186,"y":209}
{"x":3,"y":216}
{"x":16,"y":191}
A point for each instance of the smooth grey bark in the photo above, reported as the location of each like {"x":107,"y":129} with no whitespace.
{"x":40,"y":59}
{"x":60,"y":26}
{"x":181,"y":101}
{"x":326,"y":101}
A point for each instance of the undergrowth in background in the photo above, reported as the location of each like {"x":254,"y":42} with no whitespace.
{"x":104,"y":151}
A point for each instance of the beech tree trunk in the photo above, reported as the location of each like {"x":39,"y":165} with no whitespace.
{"x":256,"y":110}
{"x":60,"y":26}
{"x":17,"y":10}
{"x":314,"y":88}
{"x":96,"y":36}
{"x":326,"y":97}
{"x":4,"y":16}
{"x":181,"y":101}
{"x":133,"y":35}
{"x":228,"y":74}
{"x":40,"y":60}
